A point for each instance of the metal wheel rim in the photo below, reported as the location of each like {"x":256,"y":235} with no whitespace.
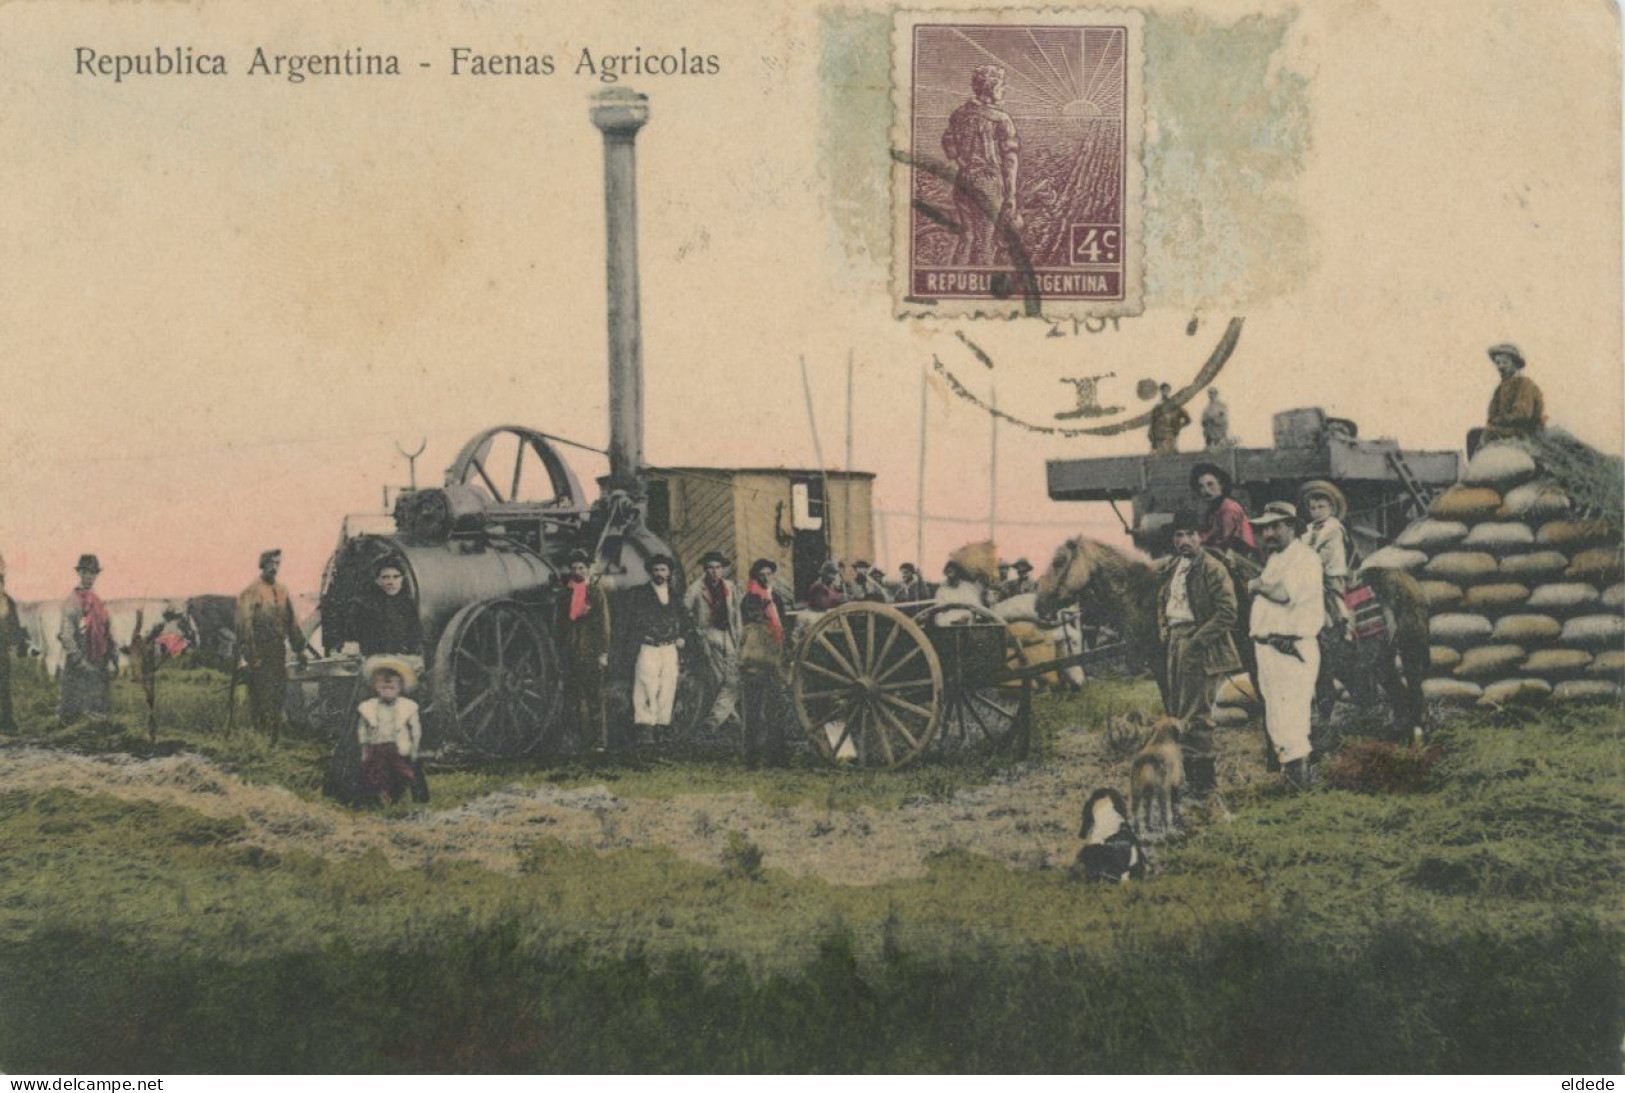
{"x":497,"y":681}
{"x":993,"y":717}
{"x":870,"y":672}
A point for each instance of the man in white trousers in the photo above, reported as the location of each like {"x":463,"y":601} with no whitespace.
{"x":1288,"y":611}
{"x":657,"y":621}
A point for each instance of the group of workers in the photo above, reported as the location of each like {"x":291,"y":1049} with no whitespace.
{"x":1294,"y":563}
{"x":1517,"y":410}
{"x":1299,"y":565}
{"x":1307,"y":608}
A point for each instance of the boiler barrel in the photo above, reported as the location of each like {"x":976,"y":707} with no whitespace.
{"x":447,"y":579}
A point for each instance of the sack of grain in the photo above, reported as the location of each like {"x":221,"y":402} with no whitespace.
{"x":1568,"y":598}
{"x":1499,"y":466}
{"x":1227,"y":717}
{"x":1431,"y":535}
{"x":1613,"y":597}
{"x":1608,"y":664}
{"x":1462,"y":567}
{"x":1489,"y":662}
{"x":1527,"y":629}
{"x":1572,"y":535}
{"x":1555,"y":664}
{"x":1599,"y":567}
{"x":1500,"y":537}
{"x":1393,"y":557}
{"x":1578,"y":691}
{"x":1453,"y":692}
{"x":1542,"y":565}
{"x":1516,"y":692}
{"x":1535,"y":502}
{"x":1237,"y":691}
{"x":1442,"y":659}
{"x":1594,"y":632}
{"x":1490,"y":598}
{"x":1460,"y":631}
{"x":1467,"y":503}
{"x":1439,"y":595}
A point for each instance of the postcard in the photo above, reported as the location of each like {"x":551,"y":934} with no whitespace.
{"x":811,"y":538}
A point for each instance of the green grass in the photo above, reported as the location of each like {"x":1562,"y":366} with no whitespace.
{"x":192,"y":718}
{"x":1475,"y":926}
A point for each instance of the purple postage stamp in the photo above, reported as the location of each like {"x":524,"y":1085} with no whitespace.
{"x":1017,"y":184}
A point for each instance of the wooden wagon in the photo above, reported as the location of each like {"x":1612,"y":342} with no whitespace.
{"x":881,"y":684}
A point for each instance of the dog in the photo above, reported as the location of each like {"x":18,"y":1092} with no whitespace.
{"x":1157,"y":779}
{"x":1111,"y":851}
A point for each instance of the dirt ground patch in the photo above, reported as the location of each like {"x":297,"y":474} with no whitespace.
{"x":1027,"y":819}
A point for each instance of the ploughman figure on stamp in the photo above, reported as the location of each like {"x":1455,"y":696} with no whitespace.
{"x":981,"y":142}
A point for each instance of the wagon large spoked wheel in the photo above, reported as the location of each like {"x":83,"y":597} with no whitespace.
{"x":867,"y":686}
{"x":497,"y":681}
{"x":980,"y":712}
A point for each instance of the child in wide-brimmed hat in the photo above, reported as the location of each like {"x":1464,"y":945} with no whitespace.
{"x":390,"y":732}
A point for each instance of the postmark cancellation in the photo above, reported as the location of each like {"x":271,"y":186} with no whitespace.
{"x":1017,"y":178}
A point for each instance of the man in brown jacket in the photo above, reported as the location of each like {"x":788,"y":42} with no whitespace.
{"x":266,"y":630}
{"x":1517,"y":409}
{"x":1167,"y":419}
{"x":1196,"y":617}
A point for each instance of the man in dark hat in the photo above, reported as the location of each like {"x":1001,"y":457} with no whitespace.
{"x":864,"y":585}
{"x":1196,"y":619}
{"x":583,"y":624}
{"x":1226,"y":527}
{"x":90,"y":654}
{"x":266,"y":630}
{"x":1022,"y":583}
{"x":911,"y":587}
{"x":657,"y":627}
{"x":765,"y":615}
{"x":1288,"y":611}
{"x":1517,"y":409}
{"x":1168,"y":418}
{"x":713,"y":605}
{"x":827,"y":591}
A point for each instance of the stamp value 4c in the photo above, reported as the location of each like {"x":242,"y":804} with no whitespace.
{"x":1018,"y":180}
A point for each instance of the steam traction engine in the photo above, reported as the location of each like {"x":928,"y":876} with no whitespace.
{"x":482,"y":554}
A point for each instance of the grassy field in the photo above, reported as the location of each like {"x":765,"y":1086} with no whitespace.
{"x":1472,"y":926}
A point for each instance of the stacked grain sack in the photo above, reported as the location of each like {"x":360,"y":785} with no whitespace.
{"x":1524,"y":591}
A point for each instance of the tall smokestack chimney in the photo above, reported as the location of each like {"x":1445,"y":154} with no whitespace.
{"x":619,"y":113}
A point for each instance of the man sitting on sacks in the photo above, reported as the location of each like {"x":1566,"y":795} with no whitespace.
{"x":1288,"y":610}
{"x":1196,"y":612}
{"x":1517,"y":409}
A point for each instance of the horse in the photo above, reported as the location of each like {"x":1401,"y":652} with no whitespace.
{"x":1109,"y":585}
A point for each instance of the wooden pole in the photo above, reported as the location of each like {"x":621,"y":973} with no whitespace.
{"x":818,"y":447}
{"x":993,"y":471}
{"x":846,"y":486}
{"x":919,"y":488}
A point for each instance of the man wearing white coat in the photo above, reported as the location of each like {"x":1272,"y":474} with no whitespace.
{"x":1287,"y":613}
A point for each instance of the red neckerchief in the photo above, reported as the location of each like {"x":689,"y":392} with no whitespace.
{"x":770,"y":611}
{"x":94,"y":614}
{"x":716,"y":595}
{"x":578,"y":600}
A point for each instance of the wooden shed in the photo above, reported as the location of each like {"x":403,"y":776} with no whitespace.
{"x":777,"y":513}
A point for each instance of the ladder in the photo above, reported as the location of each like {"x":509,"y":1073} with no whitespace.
{"x":1421,"y":496}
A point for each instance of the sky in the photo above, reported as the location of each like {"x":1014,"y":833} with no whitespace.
{"x":225,"y":301}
